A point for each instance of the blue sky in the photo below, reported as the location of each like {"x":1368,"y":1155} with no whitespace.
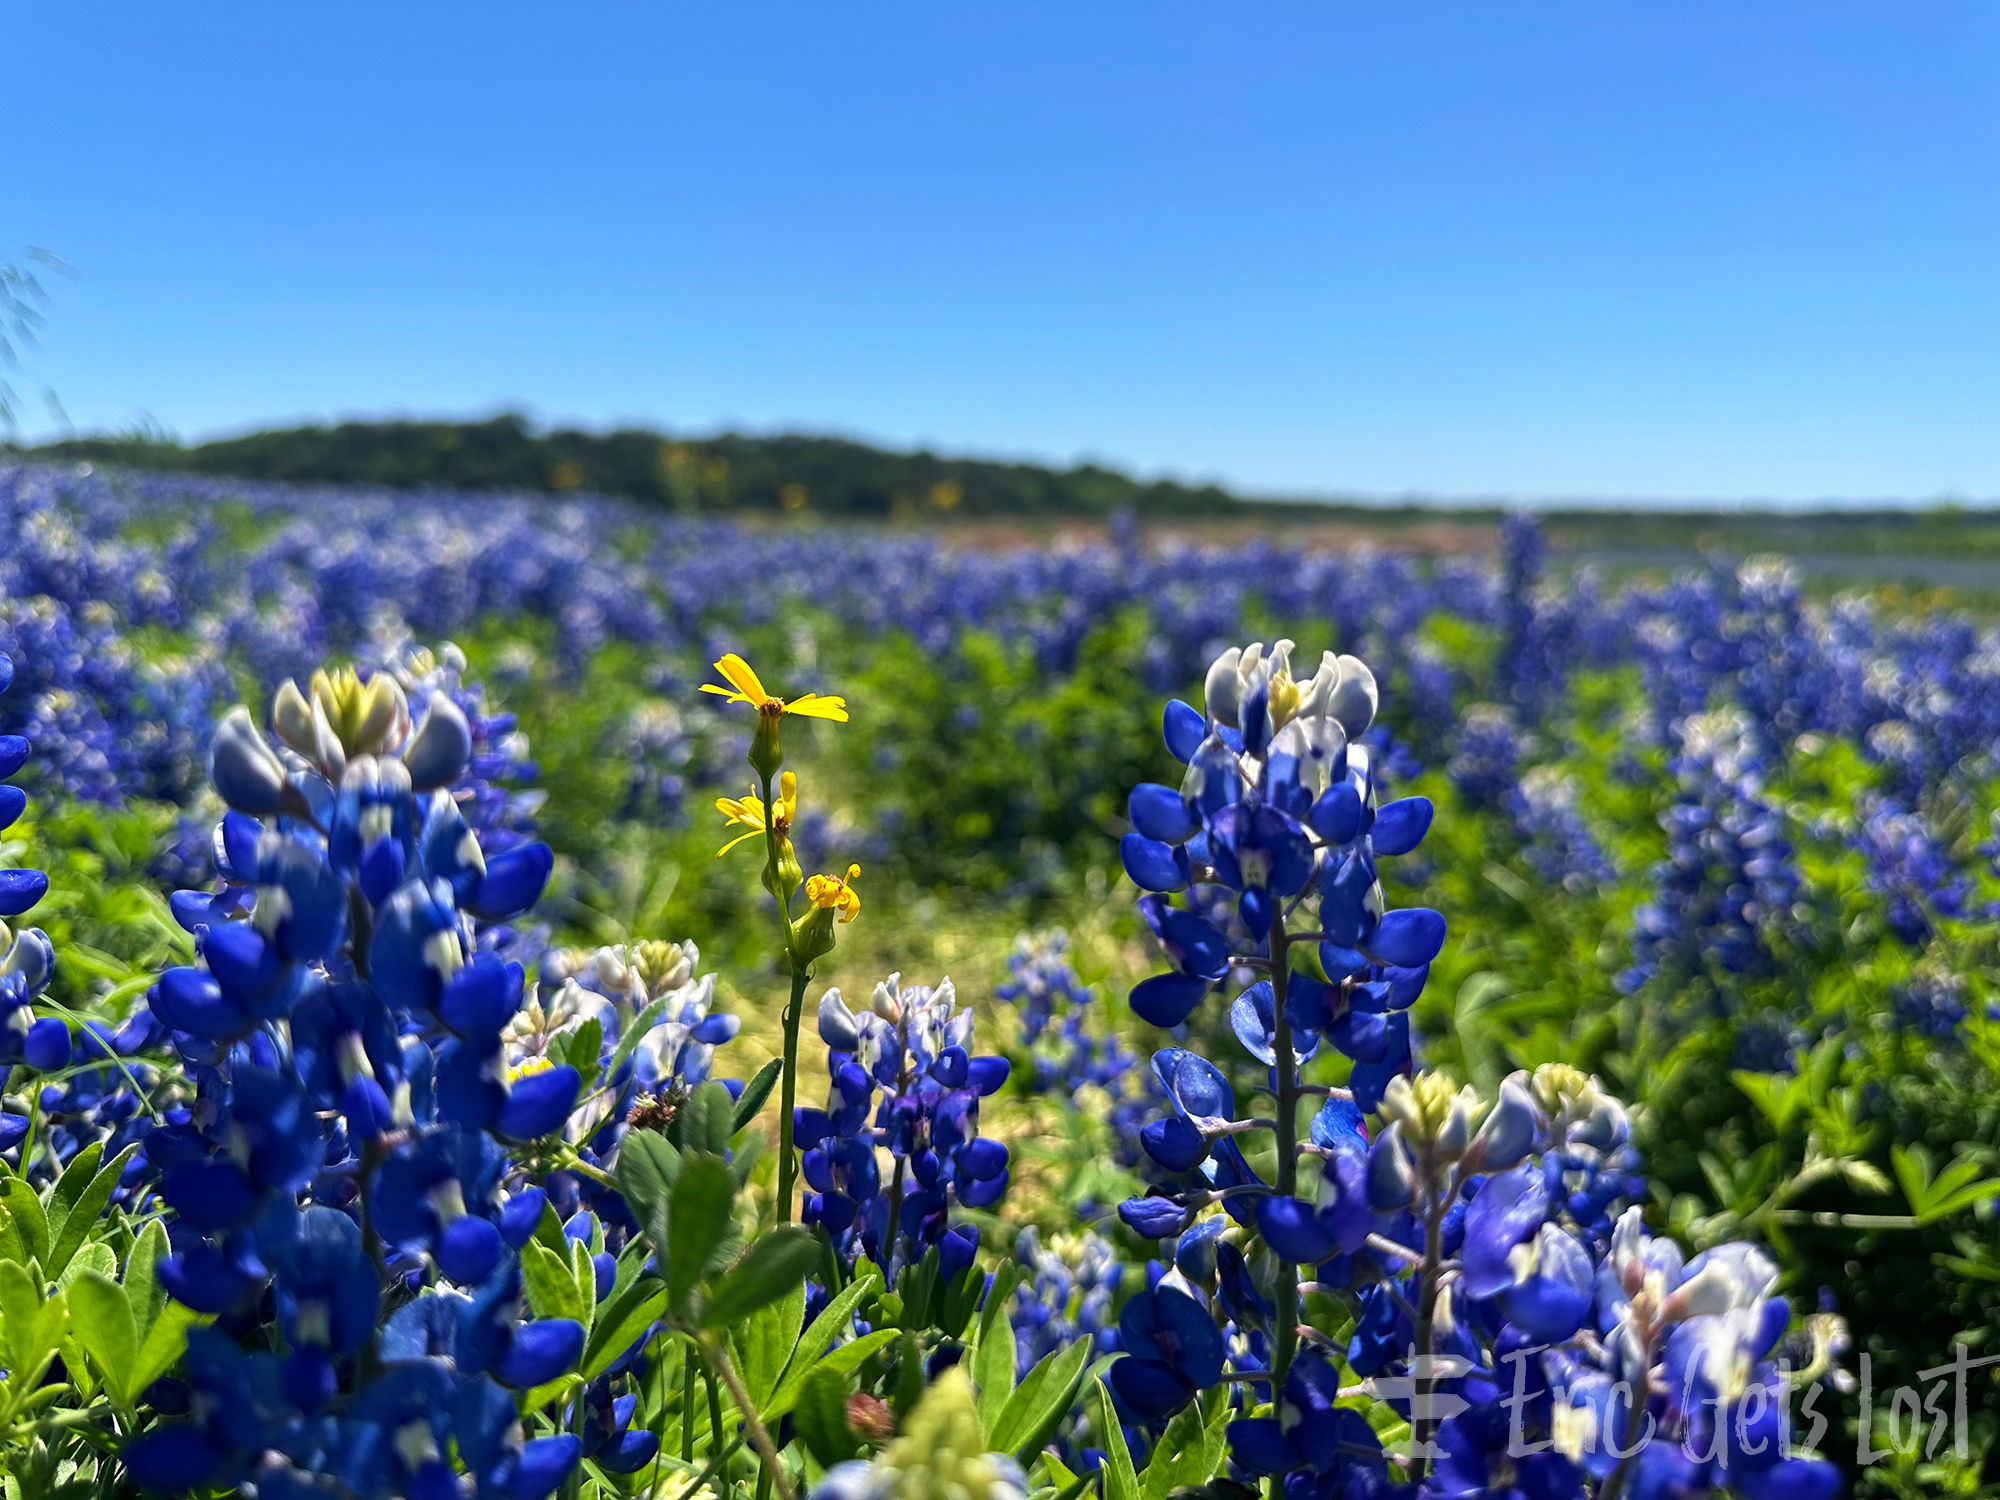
{"x":1605,"y":249}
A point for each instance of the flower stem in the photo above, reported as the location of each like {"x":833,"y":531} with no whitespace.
{"x":1428,"y":1272}
{"x":788,"y":1167}
{"x":1287,"y":1131}
{"x":718,"y":1358}
{"x":788,"y":1092}
{"x":688,"y":1378}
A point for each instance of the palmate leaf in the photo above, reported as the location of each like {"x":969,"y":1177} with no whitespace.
{"x":81,"y":1214}
{"x":765,"y":1343}
{"x":698,"y":1225}
{"x":1120,"y":1480}
{"x":550,"y":1281}
{"x":622,"y":1322}
{"x":1956,"y":1188}
{"x":993,"y":1354}
{"x":1042,"y":1399}
{"x":648,"y":1164}
{"x":821,"y":1418}
{"x":108,"y":1333}
{"x":831,"y":1323}
{"x":769,"y":1269}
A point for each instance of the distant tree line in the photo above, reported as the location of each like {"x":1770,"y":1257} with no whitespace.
{"x":725,"y":473}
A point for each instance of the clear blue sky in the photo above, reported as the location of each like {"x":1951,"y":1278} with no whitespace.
{"x":1672,"y":248}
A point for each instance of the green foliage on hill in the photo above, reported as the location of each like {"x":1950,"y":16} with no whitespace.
{"x":725,"y":473}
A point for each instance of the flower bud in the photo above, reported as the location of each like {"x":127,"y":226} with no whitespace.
{"x":1392,"y":1181}
{"x":1354,"y":698}
{"x":767,"y":756}
{"x":441,"y":746}
{"x":249,"y":777}
{"x":1510,"y":1130}
{"x":292,"y":718}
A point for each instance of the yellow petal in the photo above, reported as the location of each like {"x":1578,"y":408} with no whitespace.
{"x":722,"y":692}
{"x":812,"y":706}
{"x":753,"y":833}
{"x":736,"y":672}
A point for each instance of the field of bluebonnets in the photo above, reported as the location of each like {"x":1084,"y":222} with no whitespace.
{"x":1529,"y":1037}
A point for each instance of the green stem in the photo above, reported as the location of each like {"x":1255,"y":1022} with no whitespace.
{"x":689,"y":1376}
{"x":788,"y":1091}
{"x":1287,"y":1132}
{"x":715,"y":1420}
{"x":718,"y":1357}
{"x":1428,"y":1272}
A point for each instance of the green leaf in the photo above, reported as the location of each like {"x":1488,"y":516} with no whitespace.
{"x":32,"y":1324}
{"x":95,"y":1256}
{"x":584,"y":1273}
{"x":993,"y":1354}
{"x":142,"y":1286}
{"x":1182,"y":1456}
{"x":1952,"y":1190}
{"x":743,"y":1160}
{"x":12,"y":1247}
{"x":1056,"y":1474}
{"x":165,"y":1342}
{"x":82,"y":1215}
{"x":647,"y":1167}
{"x":698,"y":1225}
{"x":580,"y":1050}
{"x":766,"y":1343}
{"x":1120,"y":1481}
{"x":829,"y":1325}
{"x":551,"y":1284}
{"x":845,"y":1360}
{"x":1779,"y":1099}
{"x":707,"y":1120}
{"x":30,"y":1221}
{"x":755,"y":1092}
{"x":821,"y":1418}
{"x":622,"y":1323}
{"x":769,"y":1269}
{"x":1040,"y":1401}
{"x":635,"y":1032}
{"x":105,"y":1328}
{"x":68,"y":1188}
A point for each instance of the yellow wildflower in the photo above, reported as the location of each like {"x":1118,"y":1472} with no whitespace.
{"x":829,"y":894}
{"x":748,"y":812}
{"x":744,"y":687}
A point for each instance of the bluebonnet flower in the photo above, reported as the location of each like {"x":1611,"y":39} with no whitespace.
{"x":1072,"y":1049}
{"x":1724,"y":895}
{"x":1067,"y":1293}
{"x":913,"y":1045}
{"x":369,"y":1099}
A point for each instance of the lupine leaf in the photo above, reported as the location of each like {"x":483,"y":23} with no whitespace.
{"x":767,"y":1341}
{"x":1041,"y":1400}
{"x":107,"y":1332}
{"x":698,"y":1225}
{"x":755,"y":1092}
{"x":994,"y":1355}
{"x":770,"y":1268}
{"x":821,"y":1418}
{"x":551,"y":1283}
{"x":142,"y":1286}
{"x":81,"y":1217}
{"x":1120,"y":1481}
{"x":30,"y":1219}
{"x":647,"y":1167}
{"x":622,"y":1322}
{"x":829,"y":1325}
